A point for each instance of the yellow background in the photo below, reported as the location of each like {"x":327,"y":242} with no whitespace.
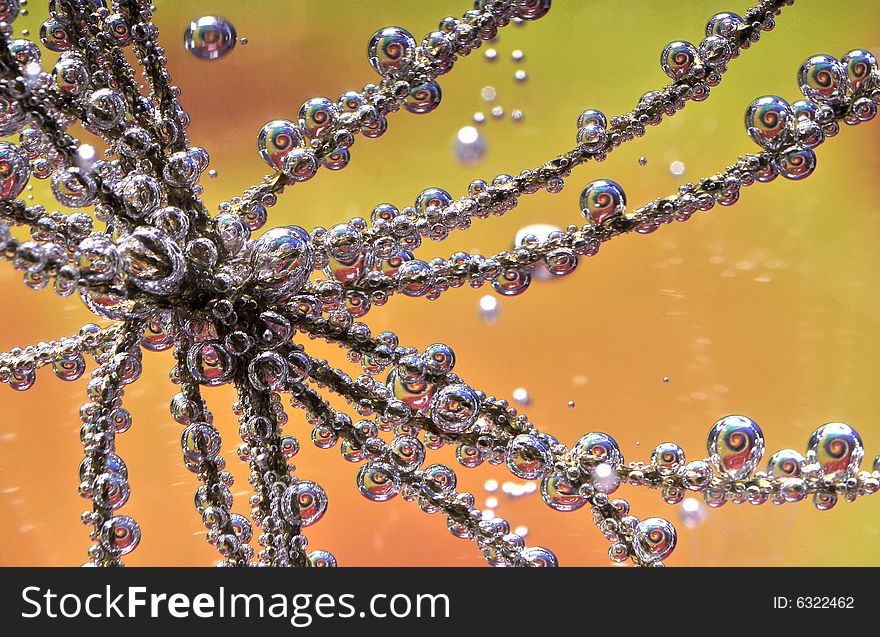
{"x":768,"y":308}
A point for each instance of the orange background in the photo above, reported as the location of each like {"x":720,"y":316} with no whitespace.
{"x":768,"y":308}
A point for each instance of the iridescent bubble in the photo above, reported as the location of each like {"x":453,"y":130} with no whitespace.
{"x":12,"y":116}
{"x":71,"y":75}
{"x":423,"y":98}
{"x":837,"y":449}
{"x":594,"y":117}
{"x":241,"y":526}
{"x":667,"y":458}
{"x":439,"y":480}
{"x":391,"y":50}
{"x":559,"y":494}
{"x":304,"y":502}
{"x":724,"y":24}
{"x":21,"y":380}
{"x":767,"y":121}
{"x":714,"y":51}
{"x":678,"y":58}
{"x":600,"y":446}
{"x":786,"y":463}
{"x":439,"y":358}
{"x":322,"y":559}
{"x":209,"y":37}
{"x":469,"y":456}
{"x":859,"y":65}
{"x":277,"y":139}
{"x":538,"y":556}
{"x":824,"y":501}
{"x":200,"y":443}
{"x":152,"y":261}
{"x":317,"y":116}
{"x":592,"y":138}
{"x":795,"y":163}
{"x":531,"y":10}
{"x":69,"y":367}
{"x":55,"y":36}
{"x":417,"y":394}
{"x":736,"y":446}
{"x":407,"y":453}
{"x":512,"y":282}
{"x":14,"y":171}
{"x":469,"y":146}
{"x":337,"y":160}
{"x":528,"y":457}
{"x":455,"y":408}
{"x":378,"y":481}
{"x":561,"y":261}
{"x":24,"y":52}
{"x":120,"y":535}
{"x":210,"y":363}
{"x":116,"y":26}
{"x":281,"y":261}
{"x":655,"y":539}
{"x":823,"y":79}
{"x":602,"y":199}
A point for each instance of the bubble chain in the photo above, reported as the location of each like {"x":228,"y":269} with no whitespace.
{"x":235,"y":310}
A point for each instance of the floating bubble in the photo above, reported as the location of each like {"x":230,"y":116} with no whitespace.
{"x":209,"y":37}
{"x":470,"y":146}
{"x":692,"y":513}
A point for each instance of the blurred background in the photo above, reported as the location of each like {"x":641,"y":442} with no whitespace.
{"x":769,"y":308}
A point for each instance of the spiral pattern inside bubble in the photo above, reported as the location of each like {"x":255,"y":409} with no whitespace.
{"x":512,"y":282}
{"x":796,"y":163}
{"x":602,"y":199}
{"x":786,"y":463}
{"x":559,"y":494}
{"x":736,"y":445}
{"x":14,"y":171}
{"x":822,"y":79}
{"x":317,"y":115}
{"x":600,"y":446}
{"x":859,"y":65}
{"x":322,"y":559}
{"x":210,"y":37}
{"x":378,"y":481}
{"x":304,"y":503}
{"x":655,"y":539}
{"x":423,"y":98}
{"x":277,"y":139}
{"x":391,"y":50}
{"x":837,"y":449}
{"x":678,"y":58}
{"x":55,"y":36}
{"x":767,"y":121}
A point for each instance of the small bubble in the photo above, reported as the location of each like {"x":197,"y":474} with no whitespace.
{"x":25,"y":32}
{"x":520,"y":75}
{"x":521,"y":396}
{"x":491,"y":503}
{"x":692,"y":513}
{"x":490,"y":486}
{"x":676,"y":168}
{"x":489,"y":309}
{"x":491,"y":55}
{"x":212,"y":174}
{"x":643,"y":161}
{"x":244,"y":41}
{"x":666,"y":379}
{"x":516,"y":115}
{"x":488,"y":93}
{"x":470,"y":146}
{"x":497,"y":112}
{"x":517,"y":55}
{"x":479,"y":117}
{"x":571,"y":404}
{"x":521,"y":531}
